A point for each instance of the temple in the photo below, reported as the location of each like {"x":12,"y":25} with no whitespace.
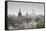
{"x":26,"y":21}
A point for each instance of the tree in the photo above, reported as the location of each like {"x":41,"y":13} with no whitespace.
{"x":41,"y":24}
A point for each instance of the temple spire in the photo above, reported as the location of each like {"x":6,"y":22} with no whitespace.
{"x":19,"y":14}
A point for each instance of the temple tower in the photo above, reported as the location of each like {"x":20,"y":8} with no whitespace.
{"x":19,"y":14}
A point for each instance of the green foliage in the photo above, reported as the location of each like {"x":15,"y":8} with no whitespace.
{"x":11,"y":21}
{"x":40,"y":21}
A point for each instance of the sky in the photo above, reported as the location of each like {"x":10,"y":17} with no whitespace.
{"x":30,"y":8}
